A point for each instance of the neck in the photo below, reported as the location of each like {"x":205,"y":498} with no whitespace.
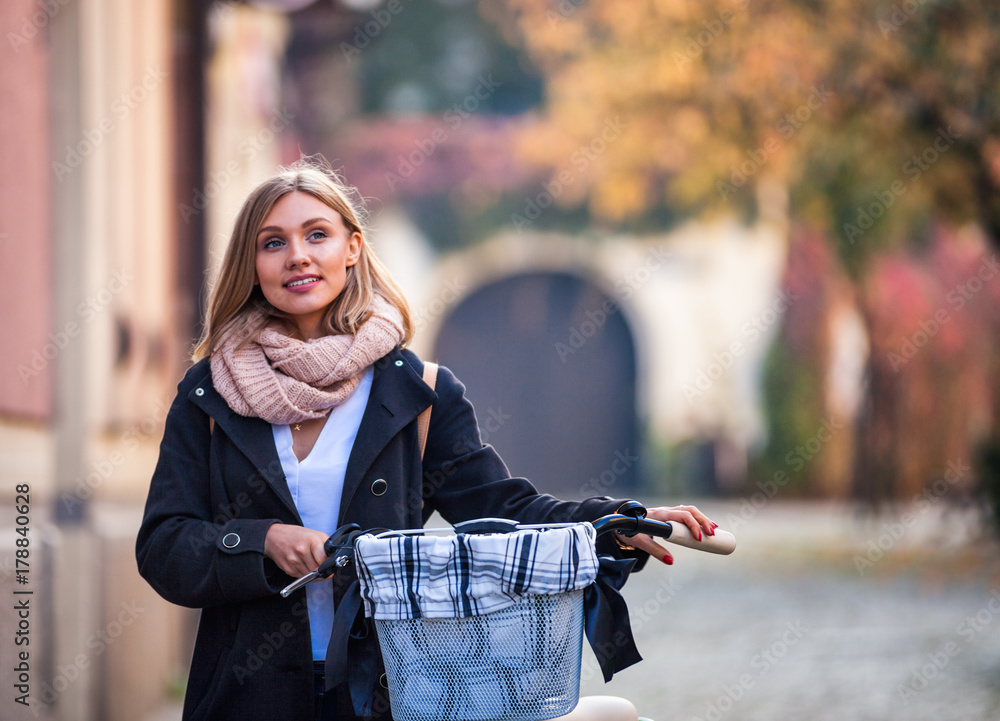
{"x":309,"y":328}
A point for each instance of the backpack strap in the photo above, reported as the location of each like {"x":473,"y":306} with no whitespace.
{"x":424,"y":419}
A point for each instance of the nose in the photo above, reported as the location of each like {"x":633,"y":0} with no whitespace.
{"x":297,"y":256}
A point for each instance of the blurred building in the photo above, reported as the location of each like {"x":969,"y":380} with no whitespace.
{"x":100,"y":134}
{"x":130,"y":133}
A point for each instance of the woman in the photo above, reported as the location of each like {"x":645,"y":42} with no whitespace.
{"x":298,"y":416}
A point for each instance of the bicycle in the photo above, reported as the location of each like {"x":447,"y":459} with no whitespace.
{"x":520,"y":661}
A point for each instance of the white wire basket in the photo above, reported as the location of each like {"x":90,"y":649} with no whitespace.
{"x":521,"y":663}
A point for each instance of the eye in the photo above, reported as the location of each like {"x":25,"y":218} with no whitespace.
{"x":316,"y":235}
{"x":272,"y":243}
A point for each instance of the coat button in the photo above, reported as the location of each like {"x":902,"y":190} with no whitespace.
{"x":399,"y":364}
{"x":231,"y":540}
{"x":379,"y":487}
{"x":199,"y":391}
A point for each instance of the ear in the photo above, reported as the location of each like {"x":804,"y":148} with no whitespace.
{"x":354,"y":244}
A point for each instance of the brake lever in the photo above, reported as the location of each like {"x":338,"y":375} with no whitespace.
{"x":326,"y":569}
{"x":340,"y":540}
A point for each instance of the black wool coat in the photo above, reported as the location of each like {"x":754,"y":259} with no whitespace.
{"x":218,"y":486}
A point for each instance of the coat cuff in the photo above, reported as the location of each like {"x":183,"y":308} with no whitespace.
{"x":241,"y":564}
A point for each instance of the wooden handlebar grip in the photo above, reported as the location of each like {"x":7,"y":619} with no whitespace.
{"x":722,"y":543}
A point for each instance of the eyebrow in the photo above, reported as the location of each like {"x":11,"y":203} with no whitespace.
{"x":277,"y":229}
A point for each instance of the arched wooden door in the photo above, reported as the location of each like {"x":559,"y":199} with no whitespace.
{"x":550,"y":364}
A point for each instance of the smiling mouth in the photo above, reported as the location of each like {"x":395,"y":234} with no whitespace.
{"x":303,"y":281}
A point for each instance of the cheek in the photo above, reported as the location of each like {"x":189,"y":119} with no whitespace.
{"x":262,"y":269}
{"x":266,"y":276}
{"x":335,"y":260}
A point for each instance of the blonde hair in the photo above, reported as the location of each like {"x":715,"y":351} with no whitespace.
{"x":235,"y":291}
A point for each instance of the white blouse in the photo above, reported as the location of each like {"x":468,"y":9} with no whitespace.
{"x":316,"y":484}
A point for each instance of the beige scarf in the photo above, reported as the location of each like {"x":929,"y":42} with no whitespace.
{"x":283,"y":380}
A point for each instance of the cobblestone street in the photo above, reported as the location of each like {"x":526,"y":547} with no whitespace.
{"x":790,"y":629}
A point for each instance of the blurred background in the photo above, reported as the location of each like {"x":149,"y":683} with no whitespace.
{"x":735,"y":252}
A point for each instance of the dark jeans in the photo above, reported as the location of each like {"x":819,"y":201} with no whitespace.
{"x":326,"y":706}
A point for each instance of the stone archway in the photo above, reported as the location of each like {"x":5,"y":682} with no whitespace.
{"x":549,"y":362}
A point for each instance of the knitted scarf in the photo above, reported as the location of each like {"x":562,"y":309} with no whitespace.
{"x":283,"y":380}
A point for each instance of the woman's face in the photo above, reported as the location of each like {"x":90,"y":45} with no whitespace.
{"x":303,"y":251}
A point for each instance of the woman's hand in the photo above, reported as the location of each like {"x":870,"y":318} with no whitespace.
{"x":690,"y":516}
{"x":295,"y":549}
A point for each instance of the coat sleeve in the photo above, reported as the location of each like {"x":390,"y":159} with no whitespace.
{"x":464,"y":478}
{"x":180,"y":547}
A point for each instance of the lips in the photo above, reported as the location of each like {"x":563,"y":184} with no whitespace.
{"x":301,"y":281}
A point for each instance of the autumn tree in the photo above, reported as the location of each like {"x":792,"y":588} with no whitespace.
{"x":878,"y":119}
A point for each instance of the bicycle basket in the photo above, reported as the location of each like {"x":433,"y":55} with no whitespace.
{"x":489,"y":647}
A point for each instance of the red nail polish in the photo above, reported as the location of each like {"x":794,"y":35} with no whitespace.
{"x":668,"y":559}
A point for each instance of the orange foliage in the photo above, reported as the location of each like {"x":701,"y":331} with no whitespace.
{"x":706,"y":87}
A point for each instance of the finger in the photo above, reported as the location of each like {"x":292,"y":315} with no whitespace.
{"x":306,"y":550}
{"x":296,"y":561}
{"x":318,"y":553}
{"x":654,"y":549}
{"x":704,"y":521}
{"x":696,"y":521}
{"x":291,"y":566}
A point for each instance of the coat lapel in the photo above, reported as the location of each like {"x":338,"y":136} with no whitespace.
{"x":397,"y":397}
{"x":252,"y":436}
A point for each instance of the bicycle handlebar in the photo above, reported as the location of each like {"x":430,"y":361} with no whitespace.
{"x":722,"y":543}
